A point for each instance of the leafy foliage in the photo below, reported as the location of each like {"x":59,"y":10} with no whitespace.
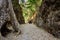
{"x":30,"y":7}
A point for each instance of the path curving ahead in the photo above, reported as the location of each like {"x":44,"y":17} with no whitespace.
{"x":30,"y":32}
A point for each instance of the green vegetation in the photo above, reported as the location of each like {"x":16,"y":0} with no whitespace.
{"x":29,"y":8}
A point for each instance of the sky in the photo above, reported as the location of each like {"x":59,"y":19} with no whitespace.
{"x":23,"y":1}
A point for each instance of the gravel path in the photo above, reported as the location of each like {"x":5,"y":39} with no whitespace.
{"x":30,"y":32}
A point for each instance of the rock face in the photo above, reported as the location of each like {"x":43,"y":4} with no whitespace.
{"x":49,"y":17}
{"x":4,"y":16}
{"x":29,"y":32}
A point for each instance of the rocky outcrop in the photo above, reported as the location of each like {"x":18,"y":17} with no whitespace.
{"x":49,"y":17}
